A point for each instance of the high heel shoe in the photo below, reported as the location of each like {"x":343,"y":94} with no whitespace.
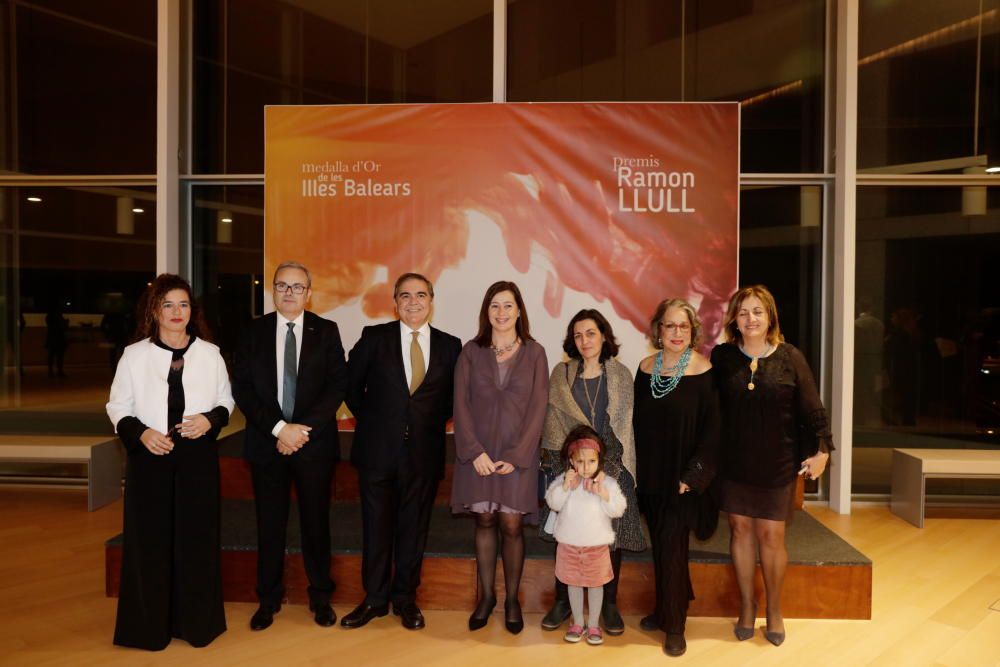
{"x":743,"y":633}
{"x":776,"y":638}
{"x":480,"y":617}
{"x":516,"y":624}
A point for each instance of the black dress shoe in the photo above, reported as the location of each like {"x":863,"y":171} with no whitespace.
{"x":362,"y":614}
{"x":323,"y":614}
{"x":513,"y":620}
{"x":557,"y":615}
{"x":409,"y":612}
{"x":649,"y":623}
{"x":674,"y":645}
{"x":611,"y":619}
{"x":263,"y":617}
{"x":482,"y":613}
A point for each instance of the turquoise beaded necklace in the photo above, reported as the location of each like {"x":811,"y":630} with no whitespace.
{"x":660,"y":385}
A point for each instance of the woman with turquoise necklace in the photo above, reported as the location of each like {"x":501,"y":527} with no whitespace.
{"x":676,"y":424}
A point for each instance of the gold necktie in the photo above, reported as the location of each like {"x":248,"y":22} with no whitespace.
{"x":416,"y":363}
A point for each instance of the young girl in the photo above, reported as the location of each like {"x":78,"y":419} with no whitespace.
{"x":585,"y":506}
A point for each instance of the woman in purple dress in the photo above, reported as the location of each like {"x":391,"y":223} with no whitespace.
{"x":501,"y":392}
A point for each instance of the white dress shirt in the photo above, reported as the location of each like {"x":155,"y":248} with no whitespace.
{"x":423,"y":339}
{"x":279,"y":353}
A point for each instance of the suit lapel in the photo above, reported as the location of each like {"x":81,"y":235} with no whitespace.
{"x":270,"y":360}
{"x":396,"y":355}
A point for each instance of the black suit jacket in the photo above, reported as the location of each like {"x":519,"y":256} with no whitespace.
{"x":319,"y":389}
{"x":390,"y":422}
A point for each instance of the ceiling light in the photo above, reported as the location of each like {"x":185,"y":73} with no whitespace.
{"x":34,"y":199}
{"x":138,"y":210}
{"x":226,"y":219}
{"x":993,"y":170}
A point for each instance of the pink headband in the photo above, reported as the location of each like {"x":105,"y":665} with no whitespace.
{"x":583,"y":443}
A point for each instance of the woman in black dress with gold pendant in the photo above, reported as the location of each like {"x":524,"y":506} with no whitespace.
{"x":676,"y":423}
{"x":774,"y":427}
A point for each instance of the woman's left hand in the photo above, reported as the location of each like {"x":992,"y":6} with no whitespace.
{"x":504,"y":468}
{"x":815,"y":465}
{"x":683,"y":488}
{"x":194,"y":426}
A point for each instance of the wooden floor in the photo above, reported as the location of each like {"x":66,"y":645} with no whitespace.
{"x":933,"y":589}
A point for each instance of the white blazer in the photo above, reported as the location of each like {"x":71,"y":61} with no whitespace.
{"x":140,"y":385}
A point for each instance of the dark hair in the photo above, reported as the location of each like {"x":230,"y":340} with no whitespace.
{"x":484,"y":337}
{"x":582,"y":432}
{"x":147,"y":327}
{"x":412,"y":276}
{"x":610,"y":346}
{"x":730,"y":327}
{"x":661,"y":310}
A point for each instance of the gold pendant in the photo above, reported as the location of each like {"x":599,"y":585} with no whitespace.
{"x":750,"y":386}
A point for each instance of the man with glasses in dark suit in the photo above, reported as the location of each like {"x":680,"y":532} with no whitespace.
{"x":289,"y":380}
{"x":400,"y":391}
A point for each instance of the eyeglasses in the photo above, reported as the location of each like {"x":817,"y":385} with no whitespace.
{"x":297,"y":288}
{"x":672,"y":327}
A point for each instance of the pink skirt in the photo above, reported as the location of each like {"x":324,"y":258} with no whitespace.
{"x":583,"y":566}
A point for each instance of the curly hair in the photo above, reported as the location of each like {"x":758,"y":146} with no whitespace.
{"x":147,"y":326}
{"x":661,"y":310}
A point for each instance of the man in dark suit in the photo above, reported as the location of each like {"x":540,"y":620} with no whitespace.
{"x":401,"y":403}
{"x":289,"y":380}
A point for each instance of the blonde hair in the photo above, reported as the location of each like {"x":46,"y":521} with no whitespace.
{"x":665,"y":305}
{"x":732,"y":331}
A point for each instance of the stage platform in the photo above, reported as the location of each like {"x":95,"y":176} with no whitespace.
{"x":826,"y":577}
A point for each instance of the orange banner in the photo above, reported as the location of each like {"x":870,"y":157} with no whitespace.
{"x":607,"y":205}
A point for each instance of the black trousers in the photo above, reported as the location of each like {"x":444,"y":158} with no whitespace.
{"x":272,"y":484}
{"x":171,"y":577}
{"x":670,"y":538}
{"x":396,"y":515}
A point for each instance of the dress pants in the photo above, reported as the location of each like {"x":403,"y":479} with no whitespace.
{"x":272,"y":483}
{"x":171,"y":577}
{"x":396,"y":515}
{"x":670,"y":538}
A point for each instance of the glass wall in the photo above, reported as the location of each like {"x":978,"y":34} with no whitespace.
{"x":677,"y":50}
{"x":74,"y":261}
{"x":250,"y":53}
{"x":927,"y":333}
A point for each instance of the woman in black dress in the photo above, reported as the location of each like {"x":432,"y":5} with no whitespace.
{"x":676,"y":420}
{"x":169,"y":400}
{"x":774,"y":427}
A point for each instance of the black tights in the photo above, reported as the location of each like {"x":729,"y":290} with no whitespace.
{"x":511,"y":527}
{"x":750,"y":535}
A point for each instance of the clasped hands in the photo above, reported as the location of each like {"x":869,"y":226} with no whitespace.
{"x":594,"y":485}
{"x":292,"y":437}
{"x":484,"y":466}
{"x":191,"y":427}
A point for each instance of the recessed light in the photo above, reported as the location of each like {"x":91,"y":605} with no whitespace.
{"x":993,"y":170}
{"x":227,"y":219}
{"x":34,"y":200}
{"x":138,"y":210}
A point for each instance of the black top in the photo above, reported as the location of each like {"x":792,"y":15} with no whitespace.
{"x":768,"y":431}
{"x":676,"y":437}
{"x":130,"y":429}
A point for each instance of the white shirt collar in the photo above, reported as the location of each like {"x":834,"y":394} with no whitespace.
{"x":405,"y":330}
{"x":283,"y":321}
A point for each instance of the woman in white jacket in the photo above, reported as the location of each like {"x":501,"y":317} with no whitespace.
{"x":169,"y":400}
{"x":586,"y":502}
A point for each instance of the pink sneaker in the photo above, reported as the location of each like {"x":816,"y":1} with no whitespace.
{"x":594,"y":636}
{"x":574,"y":634}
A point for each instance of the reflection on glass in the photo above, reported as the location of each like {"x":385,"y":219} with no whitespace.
{"x":75,"y":260}
{"x":927,"y":329}
{"x":928,"y":85}
{"x":227,"y":229}
{"x":303,"y":52}
{"x":78,"y":87}
{"x":656,"y":50}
